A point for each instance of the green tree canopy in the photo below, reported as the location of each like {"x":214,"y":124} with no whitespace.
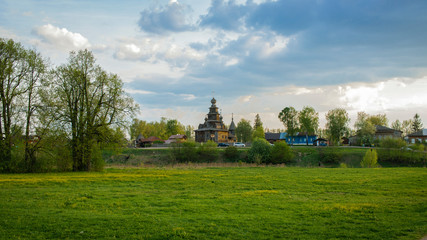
{"x":337,"y":124}
{"x":244,"y":131}
{"x":416,"y":123}
{"x":289,"y":118}
{"x":309,"y":121}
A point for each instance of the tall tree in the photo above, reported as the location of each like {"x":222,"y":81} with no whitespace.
{"x":87,"y":99}
{"x":309,"y":121}
{"x":337,"y":123}
{"x":397,"y":125}
{"x":258,"y":130}
{"x":13,"y":72}
{"x":289,"y":118}
{"x":407,"y":127}
{"x":365,"y":128}
{"x":244,"y":131}
{"x":379,"y":119}
{"x":416,"y":123}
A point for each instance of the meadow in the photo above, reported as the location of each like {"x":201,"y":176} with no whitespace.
{"x":216,"y":203}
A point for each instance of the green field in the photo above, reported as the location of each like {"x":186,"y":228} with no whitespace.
{"x":216,"y":203}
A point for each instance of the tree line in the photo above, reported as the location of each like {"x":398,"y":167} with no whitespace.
{"x":57,"y":117}
{"x":162,"y":129}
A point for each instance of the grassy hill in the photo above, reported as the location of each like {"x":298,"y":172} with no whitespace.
{"x":216,"y":203}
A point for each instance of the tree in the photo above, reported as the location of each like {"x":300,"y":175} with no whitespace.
{"x":416,"y":123}
{"x":397,"y":125}
{"x":260,"y":151}
{"x":87,"y":99}
{"x":407,"y":127}
{"x":379,"y":119}
{"x":281,"y":153}
{"x":337,"y":123}
{"x":365,"y":129}
{"x":258,"y":130}
{"x":289,"y":118}
{"x":244,"y":131}
{"x":189,"y":132}
{"x":370,"y":159}
{"x":309,"y":121}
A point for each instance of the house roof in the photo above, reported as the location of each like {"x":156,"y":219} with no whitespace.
{"x":272,"y":136}
{"x":384,"y":129}
{"x":320,"y":139}
{"x":420,"y":133}
{"x":150,"y":139}
{"x":178,"y":136}
{"x":298,"y":134}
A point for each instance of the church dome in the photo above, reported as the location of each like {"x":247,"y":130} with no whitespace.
{"x":213,"y":101}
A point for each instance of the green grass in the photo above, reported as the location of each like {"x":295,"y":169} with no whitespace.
{"x":216,"y":203}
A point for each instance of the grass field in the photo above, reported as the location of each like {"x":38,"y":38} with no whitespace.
{"x":216,"y":203}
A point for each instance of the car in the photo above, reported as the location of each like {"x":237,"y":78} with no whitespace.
{"x":223,"y":144}
{"x":239,"y":144}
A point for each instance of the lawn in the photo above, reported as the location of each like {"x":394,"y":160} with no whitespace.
{"x":216,"y":203}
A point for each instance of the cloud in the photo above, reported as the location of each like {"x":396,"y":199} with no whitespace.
{"x":62,"y":38}
{"x":173,"y":17}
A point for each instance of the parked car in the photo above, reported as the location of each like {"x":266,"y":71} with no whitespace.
{"x":239,"y":144}
{"x":223,"y":144}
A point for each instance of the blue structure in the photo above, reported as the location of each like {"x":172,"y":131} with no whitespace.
{"x":299,"y":138}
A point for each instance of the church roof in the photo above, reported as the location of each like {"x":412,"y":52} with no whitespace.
{"x":232,"y":125}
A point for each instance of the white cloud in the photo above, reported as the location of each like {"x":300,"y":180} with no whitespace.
{"x":62,"y":38}
{"x":135,"y":91}
{"x":188,"y":97}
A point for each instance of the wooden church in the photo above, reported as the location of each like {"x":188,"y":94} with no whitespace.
{"x":214,"y":129}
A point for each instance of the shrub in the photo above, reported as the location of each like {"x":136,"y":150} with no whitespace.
{"x":231,"y":154}
{"x":260,"y":151}
{"x":184,"y":152}
{"x":281,"y":153}
{"x":392,"y":143}
{"x":208,"y":152}
{"x":370,"y":159}
{"x":329,"y":155}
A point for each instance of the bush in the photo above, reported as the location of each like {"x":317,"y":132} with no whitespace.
{"x":260,"y":152}
{"x":184,"y":152}
{"x":329,"y":155}
{"x":281,"y":153}
{"x":392,"y":143}
{"x":208,"y":152}
{"x":370,"y":159}
{"x":231,"y":154}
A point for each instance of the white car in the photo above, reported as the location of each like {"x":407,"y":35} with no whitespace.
{"x":239,"y":144}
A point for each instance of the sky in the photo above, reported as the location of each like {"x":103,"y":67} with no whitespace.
{"x":254,"y":57}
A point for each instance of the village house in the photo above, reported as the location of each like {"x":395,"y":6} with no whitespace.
{"x":176,"y":138}
{"x":418,"y":137}
{"x":300,"y":138}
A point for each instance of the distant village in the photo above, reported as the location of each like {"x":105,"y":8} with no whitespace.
{"x":214,"y":129}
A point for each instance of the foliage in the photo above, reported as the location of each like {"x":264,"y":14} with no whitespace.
{"x":163,"y":129}
{"x":231,"y":154}
{"x":309,"y":121}
{"x":86,"y":99}
{"x":370,"y":159}
{"x":281,"y":153}
{"x":407,"y":127}
{"x":184,"y":152}
{"x":397,"y":125}
{"x":244,"y":131}
{"x":257,"y":122}
{"x":329,"y":155}
{"x":163,"y":203}
{"x":365,"y":128}
{"x":416,"y":123}
{"x":289,"y":118}
{"x":379,"y":119}
{"x":260,"y":151}
{"x":258,"y":133}
{"x":337,"y":124}
{"x":392,"y":143}
{"x":208,"y":152}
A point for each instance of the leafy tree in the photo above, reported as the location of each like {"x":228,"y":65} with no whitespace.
{"x":173,"y":127}
{"x":370,"y":159}
{"x":244,"y":131}
{"x":189,"y":132}
{"x":407,"y":127}
{"x":289,"y":118}
{"x":337,"y":123}
{"x":258,"y":130}
{"x":260,"y":151}
{"x":365,"y":129}
{"x":87,"y":99}
{"x":416,"y":123}
{"x":379,"y":119}
{"x":309,"y":121}
{"x":397,"y":125}
{"x":281,"y":153}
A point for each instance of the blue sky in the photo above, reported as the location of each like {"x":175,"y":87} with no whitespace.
{"x":253,"y":56}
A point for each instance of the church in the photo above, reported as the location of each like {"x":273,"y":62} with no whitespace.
{"x":214,"y":129}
